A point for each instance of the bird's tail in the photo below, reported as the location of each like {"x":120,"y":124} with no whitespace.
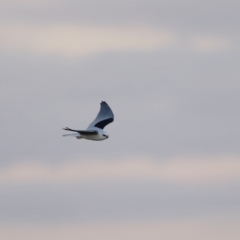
{"x":69,"y":129}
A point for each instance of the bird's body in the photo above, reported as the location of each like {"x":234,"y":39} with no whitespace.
{"x":95,"y":129}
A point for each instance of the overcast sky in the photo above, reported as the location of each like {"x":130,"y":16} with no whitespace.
{"x":170,"y":72}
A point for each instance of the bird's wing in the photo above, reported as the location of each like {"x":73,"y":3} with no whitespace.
{"x":83,"y":132}
{"x":104,"y":117}
{"x":86,"y":132}
{"x":71,"y":135}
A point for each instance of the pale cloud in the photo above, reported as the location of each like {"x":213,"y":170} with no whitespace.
{"x":210,"y":44}
{"x":185,"y":170}
{"x":74,"y":40}
{"x":187,"y":229}
{"x":81,"y":40}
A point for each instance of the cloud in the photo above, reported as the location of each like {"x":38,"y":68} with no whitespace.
{"x":185,"y":170}
{"x":208,"y":43}
{"x":72,"y":40}
{"x":75,"y":40}
{"x":203,"y":228}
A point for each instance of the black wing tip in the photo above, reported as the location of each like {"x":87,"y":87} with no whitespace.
{"x":104,"y":103}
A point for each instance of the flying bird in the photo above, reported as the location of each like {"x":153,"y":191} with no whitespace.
{"x":95,"y":129}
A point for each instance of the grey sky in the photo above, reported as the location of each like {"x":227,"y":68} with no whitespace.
{"x":195,"y":114}
{"x":199,"y":15}
{"x":169,"y":70}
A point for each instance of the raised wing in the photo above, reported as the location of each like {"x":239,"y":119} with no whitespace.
{"x":84,"y":132}
{"x":104,"y":117}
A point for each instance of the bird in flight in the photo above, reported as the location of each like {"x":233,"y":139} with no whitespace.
{"x":95,"y":129}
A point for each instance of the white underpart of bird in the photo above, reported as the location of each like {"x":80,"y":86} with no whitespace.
{"x":95,"y":129}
